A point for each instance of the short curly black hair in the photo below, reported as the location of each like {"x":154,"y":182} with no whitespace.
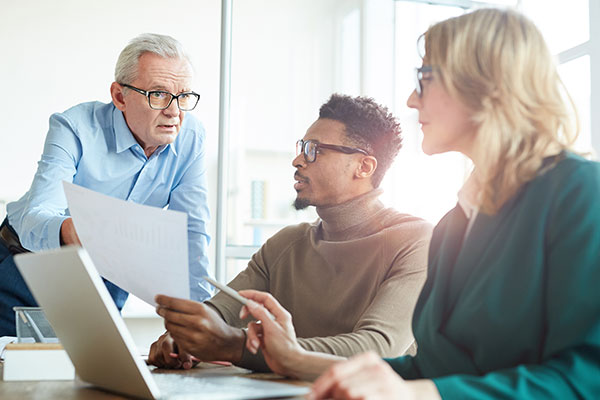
{"x":369,"y":126}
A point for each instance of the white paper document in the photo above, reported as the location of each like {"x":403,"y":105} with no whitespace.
{"x":141,"y":249}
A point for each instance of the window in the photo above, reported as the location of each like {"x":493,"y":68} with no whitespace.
{"x":369,"y":47}
{"x":418,"y":184}
{"x":283,"y":58}
{"x":566,"y":28}
{"x":427,"y":185}
{"x":576,"y":76}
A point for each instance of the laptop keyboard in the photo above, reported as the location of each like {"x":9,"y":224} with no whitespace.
{"x":179,"y":387}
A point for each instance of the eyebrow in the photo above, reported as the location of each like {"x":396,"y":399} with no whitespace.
{"x":171,"y":93}
{"x":164,"y":89}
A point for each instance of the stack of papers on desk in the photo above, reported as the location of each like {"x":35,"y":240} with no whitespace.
{"x":141,"y":249}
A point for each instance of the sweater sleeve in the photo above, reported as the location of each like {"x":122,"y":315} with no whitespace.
{"x":570,"y":365}
{"x":385,"y":326}
{"x":255,"y":276}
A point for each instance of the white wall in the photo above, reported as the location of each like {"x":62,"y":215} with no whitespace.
{"x":283,"y":69}
{"x":60,"y":53}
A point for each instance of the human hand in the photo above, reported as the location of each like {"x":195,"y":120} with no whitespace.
{"x":68,"y":235}
{"x":276,"y":337}
{"x":367,"y":376}
{"x":198,"y":330}
{"x":164,"y":353}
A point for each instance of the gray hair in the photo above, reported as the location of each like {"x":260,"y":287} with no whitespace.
{"x":162,"y":45}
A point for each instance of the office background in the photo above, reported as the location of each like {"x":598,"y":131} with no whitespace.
{"x":287,"y":57}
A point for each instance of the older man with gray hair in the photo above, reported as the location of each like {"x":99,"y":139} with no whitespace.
{"x":138,"y":148}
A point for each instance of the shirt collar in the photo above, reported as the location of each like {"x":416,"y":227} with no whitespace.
{"x":172,"y":145}
{"x":124,"y":139}
{"x":468,"y":197}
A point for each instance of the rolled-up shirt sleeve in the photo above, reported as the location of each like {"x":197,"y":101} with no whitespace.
{"x":92,"y":146}
{"x":38,"y":218}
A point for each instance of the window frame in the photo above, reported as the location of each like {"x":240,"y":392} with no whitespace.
{"x":224,"y":251}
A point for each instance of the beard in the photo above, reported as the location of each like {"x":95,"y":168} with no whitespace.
{"x":301,"y":204}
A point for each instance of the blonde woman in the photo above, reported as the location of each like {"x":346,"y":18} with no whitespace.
{"x":511,"y":306}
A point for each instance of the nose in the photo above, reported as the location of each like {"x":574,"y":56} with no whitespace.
{"x":173,"y":110}
{"x":299,"y":161}
{"x":413,"y":101}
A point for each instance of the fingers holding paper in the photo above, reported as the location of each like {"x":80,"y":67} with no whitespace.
{"x":199,"y":330}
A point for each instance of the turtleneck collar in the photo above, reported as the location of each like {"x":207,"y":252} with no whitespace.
{"x":337,"y":220}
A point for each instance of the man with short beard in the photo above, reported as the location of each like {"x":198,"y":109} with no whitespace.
{"x":350,"y":280}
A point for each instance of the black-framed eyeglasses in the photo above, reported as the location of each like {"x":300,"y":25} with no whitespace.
{"x":161,"y":100}
{"x":310,"y":149}
{"x":422,"y":74}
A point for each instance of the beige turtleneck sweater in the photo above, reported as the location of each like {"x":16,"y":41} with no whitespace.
{"x":350,"y":280}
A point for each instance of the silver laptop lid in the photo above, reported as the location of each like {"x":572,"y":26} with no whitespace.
{"x":82,"y":313}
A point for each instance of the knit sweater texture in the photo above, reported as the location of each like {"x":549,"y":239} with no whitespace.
{"x":350,"y":280}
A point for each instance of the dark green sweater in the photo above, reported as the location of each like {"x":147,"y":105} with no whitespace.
{"x":514,"y":311}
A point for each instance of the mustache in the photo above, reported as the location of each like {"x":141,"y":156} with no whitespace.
{"x":299,"y":176}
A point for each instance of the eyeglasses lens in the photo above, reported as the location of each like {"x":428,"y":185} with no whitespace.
{"x":310,"y":151}
{"x":187,"y":101}
{"x":308,"y":148}
{"x":299,"y":147}
{"x":161,"y":100}
{"x":418,"y":77}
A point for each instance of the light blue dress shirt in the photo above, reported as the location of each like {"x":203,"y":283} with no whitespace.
{"x":92,"y":146}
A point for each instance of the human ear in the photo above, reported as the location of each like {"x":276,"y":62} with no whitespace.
{"x":366,"y":168}
{"x":116,"y":92}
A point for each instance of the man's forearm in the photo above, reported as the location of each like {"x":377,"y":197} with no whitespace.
{"x":237,"y":343}
{"x":68,"y":235}
{"x":237,"y":340}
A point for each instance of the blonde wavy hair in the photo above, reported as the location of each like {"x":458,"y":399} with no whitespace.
{"x":497,"y":63}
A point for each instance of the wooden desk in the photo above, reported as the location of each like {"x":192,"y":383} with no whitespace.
{"x":71,"y":390}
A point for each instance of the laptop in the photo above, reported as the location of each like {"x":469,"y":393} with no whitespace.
{"x":67,"y":286}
